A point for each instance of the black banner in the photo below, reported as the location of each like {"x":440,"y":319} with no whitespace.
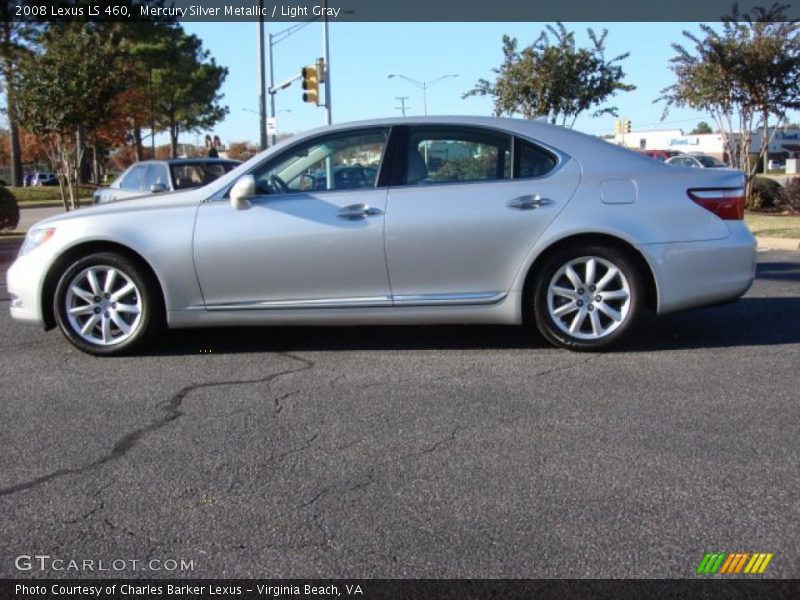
{"x":385,"y":11}
{"x":392,"y":589}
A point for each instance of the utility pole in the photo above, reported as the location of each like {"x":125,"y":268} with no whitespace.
{"x":402,"y":106}
{"x":271,"y":88}
{"x":262,"y":98}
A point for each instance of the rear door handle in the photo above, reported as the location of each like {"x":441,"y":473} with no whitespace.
{"x":530,"y":202}
{"x":355,"y":212}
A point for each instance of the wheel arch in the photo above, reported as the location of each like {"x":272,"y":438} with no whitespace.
{"x":80,"y":250}
{"x":644,"y":267}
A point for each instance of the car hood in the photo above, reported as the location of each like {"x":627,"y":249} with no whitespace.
{"x":155,"y":202}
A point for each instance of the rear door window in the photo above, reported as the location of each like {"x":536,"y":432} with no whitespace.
{"x":532,"y":161}
{"x":456,"y":154}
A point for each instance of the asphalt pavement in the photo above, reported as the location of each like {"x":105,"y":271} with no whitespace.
{"x":409,"y":452}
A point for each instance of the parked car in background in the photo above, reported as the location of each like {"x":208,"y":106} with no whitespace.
{"x":697,"y":161}
{"x":44,"y":179}
{"x":775,"y":164}
{"x":513,"y":222}
{"x":157,"y":176}
{"x":661,"y":155}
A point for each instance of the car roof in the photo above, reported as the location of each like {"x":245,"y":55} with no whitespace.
{"x":566,"y":142}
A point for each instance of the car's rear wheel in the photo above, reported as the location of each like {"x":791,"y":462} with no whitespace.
{"x":587,"y":297}
{"x":105,"y":304}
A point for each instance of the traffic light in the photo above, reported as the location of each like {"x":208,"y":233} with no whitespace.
{"x":618,"y":126}
{"x":310,"y":84}
{"x":626,"y":126}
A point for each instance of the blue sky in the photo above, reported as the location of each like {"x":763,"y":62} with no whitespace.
{"x":363,"y":54}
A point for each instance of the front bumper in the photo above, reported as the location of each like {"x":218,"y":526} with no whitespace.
{"x":24,"y":279}
{"x":695,"y":274}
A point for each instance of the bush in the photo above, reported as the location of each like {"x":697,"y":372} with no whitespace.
{"x":9,"y":209}
{"x":790,"y":195}
{"x":766,"y":193}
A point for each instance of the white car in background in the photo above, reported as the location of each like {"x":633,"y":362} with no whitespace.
{"x":697,"y":161}
{"x":158,"y":176}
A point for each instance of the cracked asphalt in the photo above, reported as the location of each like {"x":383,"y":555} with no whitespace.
{"x":410,"y":452}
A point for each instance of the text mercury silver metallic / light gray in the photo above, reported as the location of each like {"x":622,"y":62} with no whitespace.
{"x":428,"y":220}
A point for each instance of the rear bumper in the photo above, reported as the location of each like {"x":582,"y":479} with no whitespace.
{"x":695,"y":274}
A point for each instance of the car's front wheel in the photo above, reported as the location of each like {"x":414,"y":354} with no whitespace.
{"x":105,"y":304}
{"x":588,"y":297}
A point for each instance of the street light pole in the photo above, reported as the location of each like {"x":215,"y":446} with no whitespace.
{"x":423,"y":85}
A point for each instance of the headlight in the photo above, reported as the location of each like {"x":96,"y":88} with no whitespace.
{"x":35,"y":238}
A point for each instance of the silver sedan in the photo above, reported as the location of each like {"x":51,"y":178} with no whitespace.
{"x":429,"y":220}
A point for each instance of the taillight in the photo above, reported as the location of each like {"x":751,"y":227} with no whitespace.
{"x":726,"y":203}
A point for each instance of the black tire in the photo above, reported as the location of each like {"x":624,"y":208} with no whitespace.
{"x":145,"y":296}
{"x":547,"y":323}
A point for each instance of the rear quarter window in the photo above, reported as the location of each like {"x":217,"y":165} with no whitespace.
{"x":532,"y":161}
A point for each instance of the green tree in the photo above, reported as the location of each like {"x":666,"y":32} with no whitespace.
{"x":554,"y":79}
{"x":742,"y":75}
{"x":186,"y":88}
{"x":149,"y":45}
{"x":69,"y":84}
{"x":701,"y":129}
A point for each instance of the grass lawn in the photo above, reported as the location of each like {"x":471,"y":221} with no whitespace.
{"x":782,"y":226}
{"x":46,"y":195}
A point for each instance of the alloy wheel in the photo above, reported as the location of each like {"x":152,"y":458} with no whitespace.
{"x":588,"y":298}
{"x":103,"y":305}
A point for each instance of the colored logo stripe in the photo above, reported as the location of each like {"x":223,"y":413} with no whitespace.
{"x":734,"y":563}
{"x":711,"y":562}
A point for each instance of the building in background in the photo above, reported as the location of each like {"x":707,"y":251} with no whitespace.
{"x":785,"y":142}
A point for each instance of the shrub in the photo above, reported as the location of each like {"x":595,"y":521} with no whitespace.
{"x":790,"y":195}
{"x":766,"y":193}
{"x":9,"y":209}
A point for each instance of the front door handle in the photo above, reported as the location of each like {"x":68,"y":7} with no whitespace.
{"x":530,"y":202}
{"x":355,"y":212}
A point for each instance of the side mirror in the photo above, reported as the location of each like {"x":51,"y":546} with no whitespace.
{"x":242,"y":191}
{"x":157,"y":188}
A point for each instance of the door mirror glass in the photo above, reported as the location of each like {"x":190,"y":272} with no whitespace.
{"x":242,"y":191}
{"x":157,"y":188}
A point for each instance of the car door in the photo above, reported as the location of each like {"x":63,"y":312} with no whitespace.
{"x":307,"y":240}
{"x":459,"y":225}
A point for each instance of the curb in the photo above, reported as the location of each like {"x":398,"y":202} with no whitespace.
{"x":773,"y":243}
